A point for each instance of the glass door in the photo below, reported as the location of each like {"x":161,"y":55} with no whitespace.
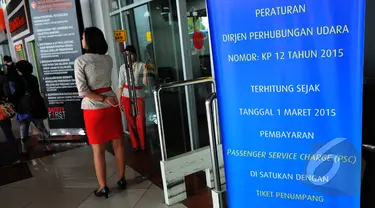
{"x":116,"y":25}
{"x":153,"y":29}
{"x":197,"y":23}
{"x":33,"y":59}
{"x":199,"y":42}
{"x":136,"y":22}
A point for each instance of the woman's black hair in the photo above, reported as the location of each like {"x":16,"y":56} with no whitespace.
{"x":95,"y":41}
{"x":7,"y":58}
{"x":131,"y":49}
{"x":25,"y":67}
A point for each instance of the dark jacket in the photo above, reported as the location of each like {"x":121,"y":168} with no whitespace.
{"x":11,"y":72}
{"x":4,"y":87}
{"x":30,"y":83}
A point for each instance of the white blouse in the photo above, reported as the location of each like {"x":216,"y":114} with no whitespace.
{"x":92,"y":72}
{"x":138,"y":68}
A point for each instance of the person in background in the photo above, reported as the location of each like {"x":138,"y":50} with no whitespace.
{"x":11,"y":72}
{"x":136,"y":124}
{"x":102,"y":115}
{"x":6,"y":125}
{"x":29,"y":83}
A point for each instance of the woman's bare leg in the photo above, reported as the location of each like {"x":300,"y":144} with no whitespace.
{"x":118,"y":148}
{"x":100,"y":166}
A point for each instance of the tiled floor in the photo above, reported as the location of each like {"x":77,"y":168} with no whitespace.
{"x":67,"y":180}
{"x":72,"y":173}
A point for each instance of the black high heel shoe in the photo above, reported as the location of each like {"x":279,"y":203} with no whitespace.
{"x":136,"y":149}
{"x":122,"y":183}
{"x":102,"y":192}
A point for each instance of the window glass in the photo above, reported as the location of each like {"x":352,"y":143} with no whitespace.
{"x":199,"y":42}
{"x":113,"y":5}
{"x":142,"y":23}
{"x":125,"y":2}
{"x":116,"y":25}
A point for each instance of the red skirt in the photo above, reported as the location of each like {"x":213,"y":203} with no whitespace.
{"x":103,"y":125}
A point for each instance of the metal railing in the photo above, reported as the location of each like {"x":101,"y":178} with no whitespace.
{"x":369,"y":147}
{"x":130,"y":81}
{"x":212,"y":132}
{"x":159,"y":113}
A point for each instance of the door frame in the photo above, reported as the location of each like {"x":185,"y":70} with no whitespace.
{"x":29,"y":39}
{"x":30,"y":58}
{"x":130,"y":6}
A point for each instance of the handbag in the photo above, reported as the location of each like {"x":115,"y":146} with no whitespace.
{"x":26,"y":103}
{"x":7,"y":111}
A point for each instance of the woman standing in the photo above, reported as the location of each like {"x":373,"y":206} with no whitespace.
{"x":136,"y":123}
{"x":100,"y":107}
{"x":36,"y":111}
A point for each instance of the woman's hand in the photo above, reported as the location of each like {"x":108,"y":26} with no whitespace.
{"x":145,"y":70}
{"x":111,"y":100}
{"x":121,"y":105}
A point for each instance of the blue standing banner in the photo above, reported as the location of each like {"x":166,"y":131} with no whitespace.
{"x":289,"y":81}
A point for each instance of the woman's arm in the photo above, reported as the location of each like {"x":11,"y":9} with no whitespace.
{"x":120,"y":91}
{"x":95,"y":96}
{"x":121,"y":83}
{"x":144,"y":79}
{"x":121,"y":105}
